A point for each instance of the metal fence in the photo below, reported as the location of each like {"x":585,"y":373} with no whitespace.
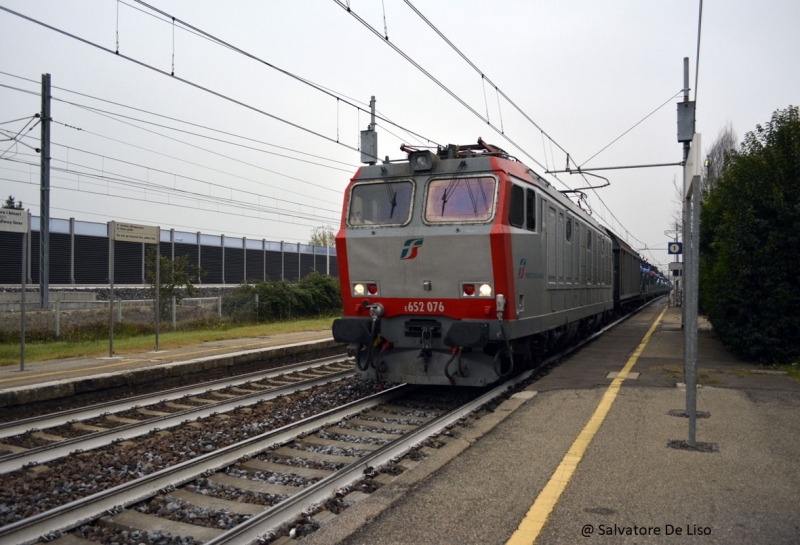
{"x":79,"y":256}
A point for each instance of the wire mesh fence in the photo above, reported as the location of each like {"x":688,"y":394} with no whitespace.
{"x":76,"y":317}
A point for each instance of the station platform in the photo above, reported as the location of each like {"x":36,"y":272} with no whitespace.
{"x":579,"y":457}
{"x":55,"y":379}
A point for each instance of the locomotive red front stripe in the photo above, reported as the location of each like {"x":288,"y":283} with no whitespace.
{"x":466,"y":308}
{"x":500,"y":240}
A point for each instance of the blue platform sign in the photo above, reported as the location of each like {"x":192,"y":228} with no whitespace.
{"x":675,"y":248}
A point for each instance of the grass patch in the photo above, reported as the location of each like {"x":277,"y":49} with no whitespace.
{"x":675,"y":371}
{"x":793,"y":370}
{"x":53,"y":350}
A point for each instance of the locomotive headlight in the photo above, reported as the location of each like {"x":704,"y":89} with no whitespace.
{"x":485,"y":290}
{"x":421,"y":160}
{"x":358,"y":289}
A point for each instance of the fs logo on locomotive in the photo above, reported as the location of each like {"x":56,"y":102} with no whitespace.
{"x":522,"y":263}
{"x":410,"y":248}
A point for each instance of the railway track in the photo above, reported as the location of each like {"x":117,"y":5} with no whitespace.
{"x":93,"y":427}
{"x":326,"y":453}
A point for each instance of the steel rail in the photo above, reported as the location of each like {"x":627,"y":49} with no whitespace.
{"x":269,"y":520}
{"x":68,"y":516}
{"x":16,"y":427}
{"x":48,"y":453}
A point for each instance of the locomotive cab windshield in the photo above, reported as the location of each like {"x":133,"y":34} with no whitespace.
{"x":380,"y":203}
{"x":460,"y":200}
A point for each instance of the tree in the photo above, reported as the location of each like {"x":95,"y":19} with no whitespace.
{"x":322,"y":236}
{"x":749,"y":243}
{"x":725,"y":143}
{"x":177,"y":278}
{"x":12,"y":203}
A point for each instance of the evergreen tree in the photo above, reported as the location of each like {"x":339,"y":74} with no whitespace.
{"x":750,"y":240}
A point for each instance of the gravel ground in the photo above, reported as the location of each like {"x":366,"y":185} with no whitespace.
{"x":101,"y":534}
{"x":227,"y":492}
{"x":182,"y":511}
{"x":24,"y":493}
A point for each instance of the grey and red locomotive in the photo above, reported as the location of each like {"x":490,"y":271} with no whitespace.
{"x":461,"y":265}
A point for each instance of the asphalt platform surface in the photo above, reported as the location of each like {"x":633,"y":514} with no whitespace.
{"x":629,"y":485}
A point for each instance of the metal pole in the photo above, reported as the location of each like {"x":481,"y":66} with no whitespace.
{"x":691,"y":241}
{"x":22,"y":310}
{"x":58,"y":318}
{"x":222,"y":243}
{"x":111,"y":229}
{"x":199,"y":256}
{"x":685,"y":227}
{"x":72,"y":251}
{"x":44,"y":198}
{"x":174,"y":315}
{"x":158,"y":283}
{"x":690,"y":331}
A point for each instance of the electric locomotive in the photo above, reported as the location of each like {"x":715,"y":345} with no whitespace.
{"x":461,"y":265}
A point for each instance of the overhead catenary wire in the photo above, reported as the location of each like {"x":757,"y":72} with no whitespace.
{"x":212,"y":169}
{"x":380,"y":115}
{"x":161,"y":187}
{"x":129,"y":181}
{"x":516,"y":107}
{"x":163,"y":116}
{"x":442,"y":85}
{"x":108,"y":114}
{"x":482,"y":74}
{"x":308,"y":82}
{"x":182,"y":80}
{"x":152,"y":169}
{"x":697,"y":60}
{"x":218,"y":154}
{"x":631,"y":128}
{"x":171,"y":204}
{"x":190,"y":162}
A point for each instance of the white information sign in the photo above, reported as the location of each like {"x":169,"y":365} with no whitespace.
{"x":15,"y":221}
{"x":694,"y":164}
{"x":134,"y":233}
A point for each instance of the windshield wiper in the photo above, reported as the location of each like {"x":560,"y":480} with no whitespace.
{"x":452,"y":185}
{"x":392,"y":199}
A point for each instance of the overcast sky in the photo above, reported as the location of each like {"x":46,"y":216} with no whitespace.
{"x":584,"y":71}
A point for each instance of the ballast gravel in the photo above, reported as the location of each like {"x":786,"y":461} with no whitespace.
{"x":24,"y":493}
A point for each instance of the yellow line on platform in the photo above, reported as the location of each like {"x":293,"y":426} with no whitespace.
{"x":535,"y":519}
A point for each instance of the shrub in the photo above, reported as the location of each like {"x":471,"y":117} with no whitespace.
{"x":313,"y":296}
{"x":750,"y":240}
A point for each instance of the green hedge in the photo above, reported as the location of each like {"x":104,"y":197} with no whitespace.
{"x":750,"y":245}
{"x":313,"y":296}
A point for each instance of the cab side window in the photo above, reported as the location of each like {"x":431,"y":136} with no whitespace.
{"x":516,"y":214}
{"x":530,"y":207}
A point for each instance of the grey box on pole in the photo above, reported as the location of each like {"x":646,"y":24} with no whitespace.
{"x":685,"y":121}
{"x":369,"y":147}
